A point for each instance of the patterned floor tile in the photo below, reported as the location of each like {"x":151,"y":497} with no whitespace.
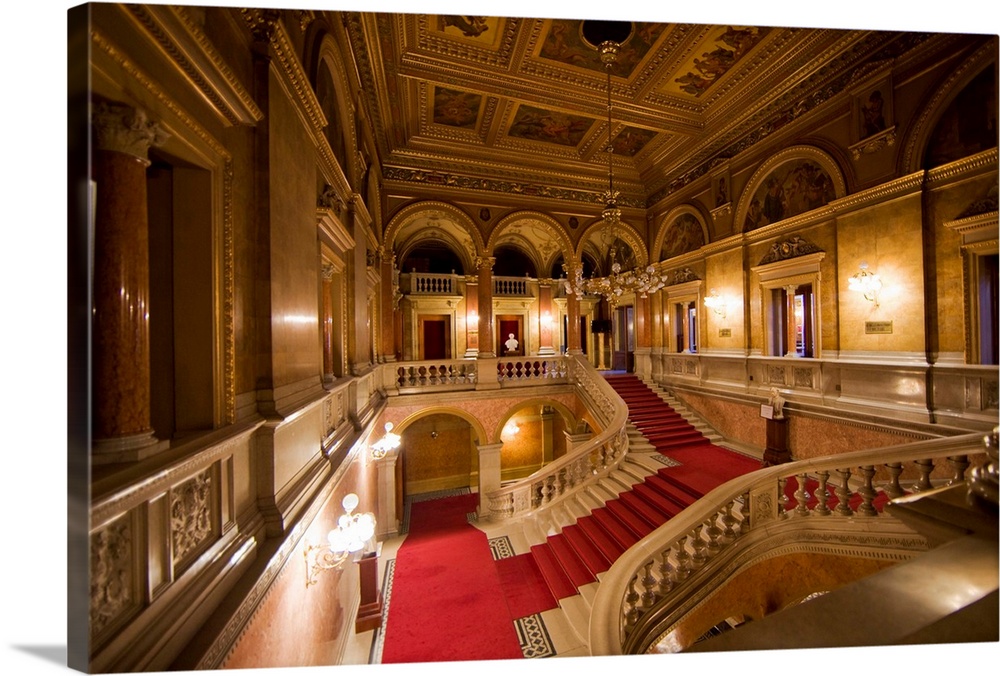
{"x":534,"y":637}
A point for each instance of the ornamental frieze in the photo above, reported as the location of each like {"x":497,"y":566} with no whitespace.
{"x":793,"y":247}
{"x":191,"y":521}
{"x":111,"y":574}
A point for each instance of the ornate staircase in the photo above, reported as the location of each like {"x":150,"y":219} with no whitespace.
{"x":577,"y":541}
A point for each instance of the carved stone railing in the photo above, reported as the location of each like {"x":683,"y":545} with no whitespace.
{"x":537,"y":369}
{"x":436,"y":374}
{"x":511,"y":286}
{"x":660,"y":578}
{"x":424,"y":283}
{"x":582,"y":464}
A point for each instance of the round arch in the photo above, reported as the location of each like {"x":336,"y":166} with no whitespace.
{"x":479,"y":432}
{"x":690,"y":242}
{"x":539,"y":235}
{"x":919,"y":136}
{"x":785,"y":159}
{"x":591,"y":240}
{"x":328,"y":56}
{"x":437,"y":213}
{"x":567,"y":415}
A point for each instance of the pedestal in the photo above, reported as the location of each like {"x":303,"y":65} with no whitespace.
{"x":776,"y":452}
{"x":370,"y":610}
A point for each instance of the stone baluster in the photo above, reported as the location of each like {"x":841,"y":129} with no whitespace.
{"x":630,"y":606}
{"x":648,"y":586}
{"x":822,"y":495}
{"x":844,"y":493}
{"x":714,"y":533}
{"x":959,"y":464}
{"x":801,"y":497}
{"x":728,"y":520}
{"x":683,"y":560}
{"x":924,"y":467}
{"x":699,"y":545}
{"x":745,"y":512}
{"x":867,"y":492}
{"x":893,"y":489}
{"x":782,"y":498}
{"x":667,"y":572}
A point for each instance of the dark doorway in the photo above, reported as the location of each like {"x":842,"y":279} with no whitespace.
{"x":434,"y":343}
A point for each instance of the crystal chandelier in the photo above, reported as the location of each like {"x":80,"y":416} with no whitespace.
{"x":608,"y":37}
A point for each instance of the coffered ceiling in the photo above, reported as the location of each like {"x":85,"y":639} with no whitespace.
{"x":519,"y":106}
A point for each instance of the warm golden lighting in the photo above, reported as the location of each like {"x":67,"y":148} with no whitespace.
{"x":868,"y":283}
{"x":353,"y":533}
{"x":716,"y":303}
{"x":389,"y":442}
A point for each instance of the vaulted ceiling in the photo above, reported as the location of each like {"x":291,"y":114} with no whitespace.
{"x":519,"y":106}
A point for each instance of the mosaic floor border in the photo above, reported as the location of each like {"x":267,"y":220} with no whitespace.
{"x":501,"y":548}
{"x":534,"y":637}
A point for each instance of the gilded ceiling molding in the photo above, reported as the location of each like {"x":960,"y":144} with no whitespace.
{"x":227,"y":319}
{"x":499,"y":58}
{"x":182,"y":41}
{"x":798,"y":101}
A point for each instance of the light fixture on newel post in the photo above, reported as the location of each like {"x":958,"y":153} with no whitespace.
{"x":608,"y":37}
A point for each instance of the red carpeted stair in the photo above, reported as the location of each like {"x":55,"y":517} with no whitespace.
{"x":574,"y":557}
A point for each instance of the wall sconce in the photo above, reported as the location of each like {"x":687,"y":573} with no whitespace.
{"x":472,"y":321}
{"x":868,"y":283}
{"x":511,"y":429}
{"x":716,"y":303}
{"x":352,"y":534}
{"x":547,"y":320}
{"x":389,"y":442}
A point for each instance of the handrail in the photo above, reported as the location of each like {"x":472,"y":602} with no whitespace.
{"x":582,"y":464}
{"x":645,"y":580}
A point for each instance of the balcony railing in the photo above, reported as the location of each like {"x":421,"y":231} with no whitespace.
{"x":581,"y":465}
{"x":655,"y":582}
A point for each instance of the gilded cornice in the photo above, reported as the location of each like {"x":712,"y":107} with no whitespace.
{"x":972,"y":165}
{"x":228,"y":367}
{"x":820,"y":87}
{"x":499,"y":58}
{"x":180,"y":39}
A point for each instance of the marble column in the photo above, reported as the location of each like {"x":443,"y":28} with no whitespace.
{"x":573,"y":345}
{"x":545,"y":319}
{"x":327,"y":272}
{"x":120,"y":387}
{"x":790,"y":321}
{"x":387,"y":518}
{"x":486,"y":341}
{"x":471,"y":317}
{"x":387,"y":301}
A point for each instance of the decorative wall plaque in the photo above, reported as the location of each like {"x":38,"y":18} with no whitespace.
{"x":883,"y":328}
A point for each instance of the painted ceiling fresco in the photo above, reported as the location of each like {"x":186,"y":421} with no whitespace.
{"x":537,"y":124}
{"x":716,"y":56}
{"x":482,"y":102}
{"x":456,"y":108}
{"x":564,"y":43}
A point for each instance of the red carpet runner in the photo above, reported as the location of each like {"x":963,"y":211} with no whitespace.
{"x":447,"y":602}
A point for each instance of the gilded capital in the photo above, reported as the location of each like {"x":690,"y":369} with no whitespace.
{"x":485,"y":261}
{"x":125,"y":129}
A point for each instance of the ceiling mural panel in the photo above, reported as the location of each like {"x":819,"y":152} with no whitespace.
{"x":522,"y":102}
{"x":713,"y":58}
{"x":564,"y":43}
{"x":548,"y":126}
{"x":484,"y":30}
{"x":456,"y":108}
